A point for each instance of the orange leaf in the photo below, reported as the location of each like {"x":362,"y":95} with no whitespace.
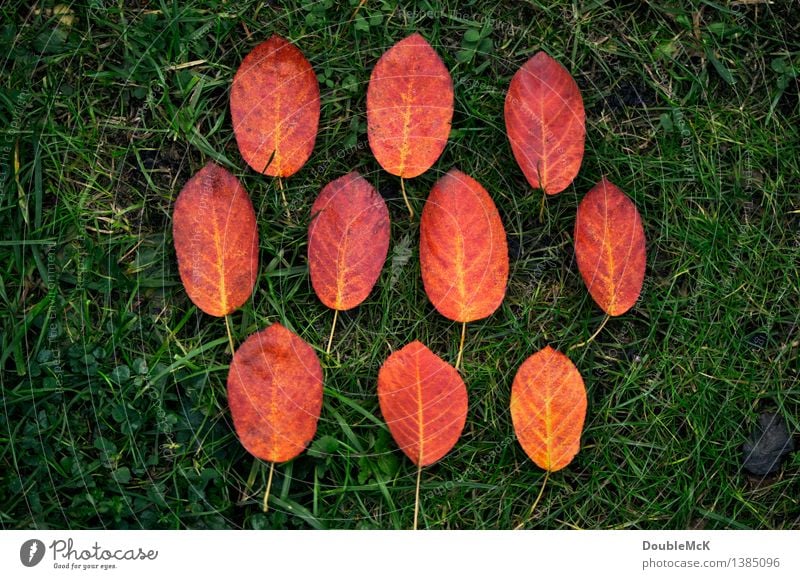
{"x":216,"y":240}
{"x":409,"y":107}
{"x":463,"y":252}
{"x":348,"y":239}
{"x":275,"y":394}
{"x":545,"y":122}
{"x":424,"y":402}
{"x":610,"y":247}
{"x":275,"y":108}
{"x":548,"y":407}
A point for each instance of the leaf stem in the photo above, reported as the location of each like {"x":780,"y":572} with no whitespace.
{"x":283,"y":198}
{"x":541,"y":207}
{"x":408,"y":204}
{"x":333,"y":328}
{"x":602,"y":325}
{"x":265,"y":506}
{"x":461,"y":345}
{"x":536,"y":502}
{"x":230,"y":336}
{"x":416,"y":496}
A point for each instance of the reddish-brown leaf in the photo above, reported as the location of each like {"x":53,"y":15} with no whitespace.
{"x":610,"y":247}
{"x":545,"y":122}
{"x":275,"y":108}
{"x":548,"y":407}
{"x":216,"y":240}
{"x":275,"y":394}
{"x":348,"y":239}
{"x":409,"y":107}
{"x":463,"y":251}
{"x":424,"y":402}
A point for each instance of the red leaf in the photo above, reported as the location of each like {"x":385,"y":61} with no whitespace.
{"x":275,"y":394}
{"x":348,"y":239}
{"x":463,"y":251}
{"x":548,"y":408}
{"x":216,"y":241}
{"x":409,"y":107}
{"x":424,"y":403}
{"x":545,"y":122}
{"x":275,"y":108}
{"x":610,"y":248}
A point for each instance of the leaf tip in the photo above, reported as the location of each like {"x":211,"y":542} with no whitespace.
{"x":541,"y":56}
{"x":417,"y":38}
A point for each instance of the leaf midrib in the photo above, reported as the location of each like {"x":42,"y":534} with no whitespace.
{"x":220,"y":259}
{"x":407,"y":98}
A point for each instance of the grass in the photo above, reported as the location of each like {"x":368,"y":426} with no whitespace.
{"x":114,"y":412}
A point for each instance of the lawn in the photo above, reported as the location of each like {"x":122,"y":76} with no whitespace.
{"x":114,"y":410}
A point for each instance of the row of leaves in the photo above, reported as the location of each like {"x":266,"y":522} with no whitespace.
{"x":275,"y":382}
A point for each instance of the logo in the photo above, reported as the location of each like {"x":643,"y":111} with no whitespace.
{"x":31,"y":553}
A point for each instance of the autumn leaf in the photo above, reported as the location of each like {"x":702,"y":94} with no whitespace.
{"x":275,"y":108}
{"x":463,"y":251}
{"x":548,"y":408}
{"x":348,"y":240}
{"x":545,"y":122}
{"x":409,"y":108}
{"x":424,"y":403}
{"x":610,"y":247}
{"x":216,"y":241}
{"x":275,"y":394}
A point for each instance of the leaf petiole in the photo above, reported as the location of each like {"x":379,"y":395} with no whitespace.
{"x":333,"y":329}
{"x":265,"y":506}
{"x":416,"y":496}
{"x":461,"y":345}
{"x":591,"y":339}
{"x":541,"y":207}
{"x":405,"y":198}
{"x":230,"y":336}
{"x":536,"y":502}
{"x":283,"y":199}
